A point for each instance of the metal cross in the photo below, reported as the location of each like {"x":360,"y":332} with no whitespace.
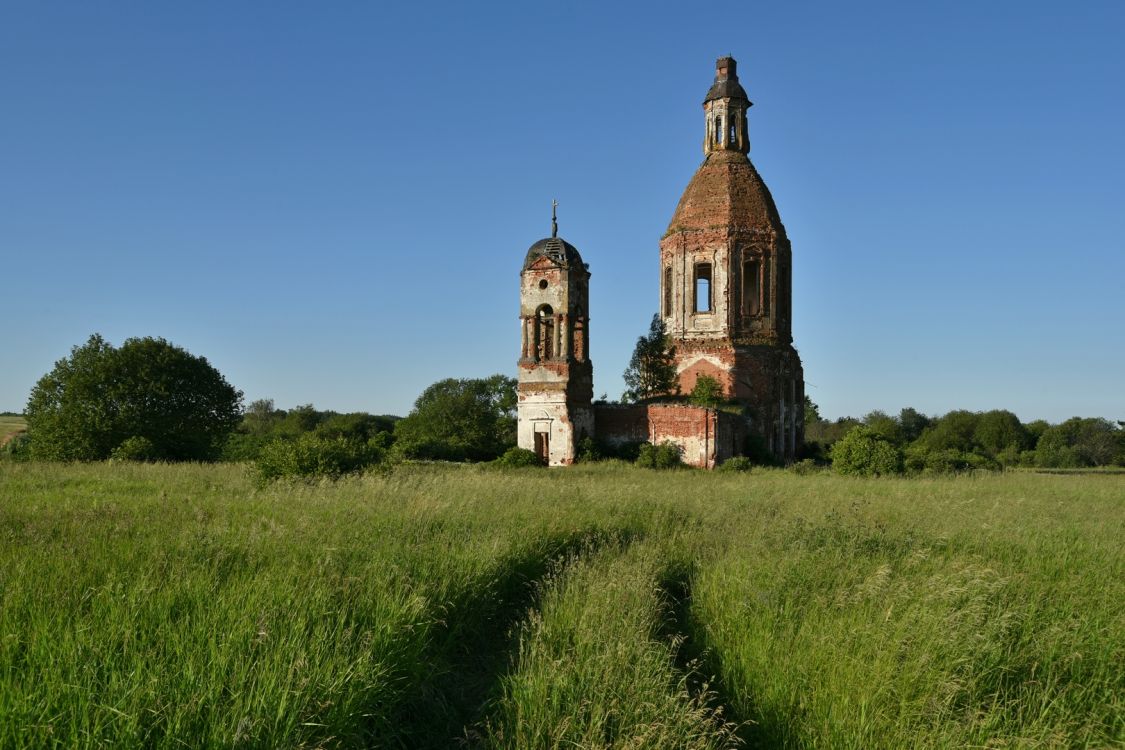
{"x":554,"y":219}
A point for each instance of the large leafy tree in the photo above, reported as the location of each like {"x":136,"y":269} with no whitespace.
{"x":147,"y":391}
{"x":461,"y":419}
{"x":652,"y":368}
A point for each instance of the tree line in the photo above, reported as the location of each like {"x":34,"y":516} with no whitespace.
{"x":149,"y":400}
{"x":960,"y":440}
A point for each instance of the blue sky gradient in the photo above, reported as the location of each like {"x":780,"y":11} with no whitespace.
{"x":331,"y":201}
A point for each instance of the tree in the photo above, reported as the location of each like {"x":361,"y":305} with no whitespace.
{"x":707,"y":392}
{"x":885,"y":426}
{"x":457,"y":420}
{"x":863,"y":452}
{"x":99,"y":397}
{"x":812,"y":412}
{"x":912,"y":423}
{"x":1079,"y":442}
{"x":652,"y":368}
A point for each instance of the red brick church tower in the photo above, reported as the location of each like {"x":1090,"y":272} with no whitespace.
{"x":725,"y":271}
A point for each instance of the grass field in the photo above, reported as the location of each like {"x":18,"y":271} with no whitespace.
{"x":603,"y":606}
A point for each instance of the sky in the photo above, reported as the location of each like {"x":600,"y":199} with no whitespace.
{"x":331,"y":202}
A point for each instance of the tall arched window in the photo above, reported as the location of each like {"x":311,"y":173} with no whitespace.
{"x":718,"y":129}
{"x":545,"y":333}
{"x":667,"y":291}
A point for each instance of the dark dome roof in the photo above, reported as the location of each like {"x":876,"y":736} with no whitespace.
{"x":557,"y":249}
{"x":726,"y":85}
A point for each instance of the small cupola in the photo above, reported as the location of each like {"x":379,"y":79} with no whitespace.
{"x":726,"y":105}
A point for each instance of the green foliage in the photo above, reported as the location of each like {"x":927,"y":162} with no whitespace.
{"x":865,"y":453}
{"x":1079,"y":442}
{"x":955,"y":431}
{"x":805,"y":467}
{"x":812,"y":412}
{"x":707,"y":392}
{"x":652,"y":368}
{"x":664,"y":456}
{"x":920,"y":459}
{"x":518,"y":458}
{"x":311,"y":456}
{"x":1000,"y":432}
{"x":99,"y":396}
{"x":589,"y":451}
{"x":136,"y":448}
{"x":736,"y":463}
{"x":16,"y":447}
{"x":884,"y":426}
{"x":912,"y":424}
{"x":263,"y":423}
{"x":460,"y":420}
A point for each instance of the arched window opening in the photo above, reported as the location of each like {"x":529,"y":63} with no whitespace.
{"x":668,"y":292}
{"x":702,"y":287}
{"x":766,"y":287}
{"x":578,"y":334}
{"x":751,"y":288}
{"x":545,"y":333}
{"x":718,"y":129}
{"x":732,"y":137}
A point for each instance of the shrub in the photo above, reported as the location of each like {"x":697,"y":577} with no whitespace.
{"x":518,"y":458}
{"x":589,"y":451}
{"x":707,"y":392}
{"x":17,"y":447}
{"x":136,"y":448}
{"x":805,"y":466}
{"x":863,"y":453}
{"x":312,"y":457}
{"x":737,"y":463}
{"x":663,"y":456}
{"x":948,"y":461}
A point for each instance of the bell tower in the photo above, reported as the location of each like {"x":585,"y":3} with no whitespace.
{"x":556,"y":380}
{"x":725,"y":272}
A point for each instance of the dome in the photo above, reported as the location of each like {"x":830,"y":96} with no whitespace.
{"x":557,"y":249}
{"x":726,"y":85}
{"x":726,"y":190}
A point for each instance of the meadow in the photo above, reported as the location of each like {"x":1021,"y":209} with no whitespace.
{"x":597,"y":606}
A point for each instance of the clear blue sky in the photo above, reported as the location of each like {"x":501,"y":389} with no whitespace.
{"x":331,"y":201}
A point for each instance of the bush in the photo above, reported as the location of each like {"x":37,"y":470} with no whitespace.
{"x":589,"y":451}
{"x":136,"y":448}
{"x":920,"y":460}
{"x":863,"y":453}
{"x":707,"y":392}
{"x":312,"y":457}
{"x":663,"y":456}
{"x":518,"y":458}
{"x":17,"y":447}
{"x":737,"y":463}
{"x":805,"y":466}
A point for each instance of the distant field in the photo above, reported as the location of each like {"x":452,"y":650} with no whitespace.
{"x":8,"y":425}
{"x":171,"y":606}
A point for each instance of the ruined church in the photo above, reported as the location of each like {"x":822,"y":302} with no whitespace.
{"x":724,"y":296}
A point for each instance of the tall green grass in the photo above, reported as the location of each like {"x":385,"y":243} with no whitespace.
{"x":161,"y":606}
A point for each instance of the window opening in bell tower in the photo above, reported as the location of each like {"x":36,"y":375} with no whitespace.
{"x":545,"y":332}
{"x":702,"y":287}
